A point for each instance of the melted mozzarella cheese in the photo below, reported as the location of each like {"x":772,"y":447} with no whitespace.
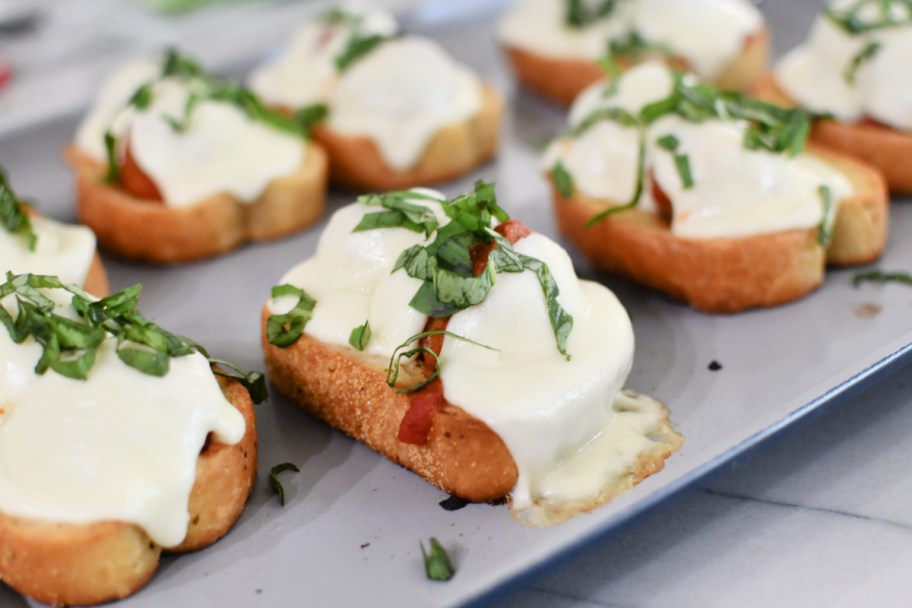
{"x":306,"y":72}
{"x":119,"y":446}
{"x":222,"y":149}
{"x":64,"y":251}
{"x":402,"y":94}
{"x":549,"y":411}
{"x":736,"y":192}
{"x":815,"y":74}
{"x":705,"y":33}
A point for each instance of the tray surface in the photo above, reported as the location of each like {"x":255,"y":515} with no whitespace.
{"x":349,"y":533}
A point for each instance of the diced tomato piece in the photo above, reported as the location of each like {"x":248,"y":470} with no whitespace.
{"x":415,"y":427}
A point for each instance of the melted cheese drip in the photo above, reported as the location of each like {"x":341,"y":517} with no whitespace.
{"x":814,"y":74}
{"x":306,"y":72}
{"x":550,"y":412}
{"x":221,"y":151}
{"x":400,"y":95}
{"x":708,"y":34}
{"x":736,"y":192}
{"x":64,"y":251}
{"x":119,"y":446}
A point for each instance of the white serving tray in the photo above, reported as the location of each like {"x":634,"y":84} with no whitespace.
{"x":349,"y":534}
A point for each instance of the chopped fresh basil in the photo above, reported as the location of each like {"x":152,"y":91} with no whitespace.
{"x":864,"y":55}
{"x":637,"y":192}
{"x":360,"y":336}
{"x":69,"y":346}
{"x":401,"y":213}
{"x":668,"y":142}
{"x":404,"y":352}
{"x":561,"y":321}
{"x":562,"y":180}
{"x":579,"y":14}
{"x":633,"y":47}
{"x":437,"y":563}
{"x":612,"y":72}
{"x":14,"y":218}
{"x":879,"y":276}
{"x":825,"y":229}
{"x":863,"y":16}
{"x":274,"y":478}
{"x":618,"y":115}
{"x":113,"y":173}
{"x":283,"y":330}
{"x":358,"y":46}
{"x":682,"y":164}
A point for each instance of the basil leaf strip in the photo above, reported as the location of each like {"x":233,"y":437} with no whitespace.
{"x":360,"y":336}
{"x":401,"y":213}
{"x":827,"y":221}
{"x":579,"y":14}
{"x":865,"y":16}
{"x":866,"y":54}
{"x":879,"y":276}
{"x":13,"y":215}
{"x":283,"y":330}
{"x":69,"y":346}
{"x":437,"y":563}
{"x":562,"y":180}
{"x":274,"y":478}
{"x":404,"y":352}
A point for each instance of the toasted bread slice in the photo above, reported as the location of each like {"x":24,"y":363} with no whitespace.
{"x":154,"y":232}
{"x":887,"y":149}
{"x":62,"y":564}
{"x":727,"y":275}
{"x":561,"y":80}
{"x":357,"y":164}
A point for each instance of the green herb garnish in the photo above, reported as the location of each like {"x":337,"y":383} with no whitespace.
{"x":14,"y":218}
{"x":879,"y":276}
{"x":563,"y":181}
{"x":404,"y":352}
{"x":670,"y":143}
{"x":400,"y":212}
{"x":825,"y":229}
{"x":579,"y":14}
{"x":863,"y":56}
{"x":633,"y":47}
{"x":437,"y":563}
{"x":360,"y":336}
{"x":358,"y":46}
{"x":857,"y":19}
{"x":69,"y":346}
{"x":112,"y":176}
{"x":274,"y":478}
{"x":283,"y":330}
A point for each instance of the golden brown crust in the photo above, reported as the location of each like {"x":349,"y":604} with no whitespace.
{"x":84,"y":564}
{"x":561,"y":80}
{"x":887,"y":149}
{"x":356,"y":163}
{"x":463,"y":456}
{"x":728,"y":275}
{"x":154,"y":232}
{"x":96,"y":281}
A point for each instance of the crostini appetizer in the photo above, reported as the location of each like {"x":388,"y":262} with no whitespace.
{"x":462,"y":345}
{"x":36,"y":244}
{"x":173,"y":164}
{"x":119,"y":439}
{"x":710,"y":197}
{"x":400,"y":110}
{"x":852,"y":74}
{"x":559,"y":47}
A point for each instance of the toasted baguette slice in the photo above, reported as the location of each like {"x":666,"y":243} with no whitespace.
{"x":357,"y":164}
{"x":887,"y":149}
{"x":726,"y":275}
{"x":562,"y":80}
{"x":463,"y":456}
{"x":64,"y":564}
{"x":153,"y":232}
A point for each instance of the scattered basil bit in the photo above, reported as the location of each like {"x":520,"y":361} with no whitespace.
{"x":274,"y":478}
{"x":668,"y":142}
{"x":863,"y":16}
{"x":612,"y":71}
{"x":879,"y":276}
{"x":637,"y":192}
{"x":866,"y":54}
{"x":404,"y":352}
{"x":825,"y":229}
{"x":631,"y":46}
{"x":358,"y":46}
{"x":563,"y":181}
{"x":69,"y":346}
{"x":112,"y":176}
{"x":579,"y":14}
{"x":283,"y":330}
{"x":682,"y":164}
{"x":14,"y":218}
{"x":437,"y":563}
{"x":360,"y":336}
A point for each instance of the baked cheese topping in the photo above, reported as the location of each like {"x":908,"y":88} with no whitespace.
{"x":854,"y":75}
{"x":306,"y":72}
{"x":707,"y":34}
{"x":400,"y":95}
{"x":735,"y":191}
{"x":62,"y":250}
{"x":219,"y":150}
{"x":119,"y":446}
{"x":551,"y":412}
